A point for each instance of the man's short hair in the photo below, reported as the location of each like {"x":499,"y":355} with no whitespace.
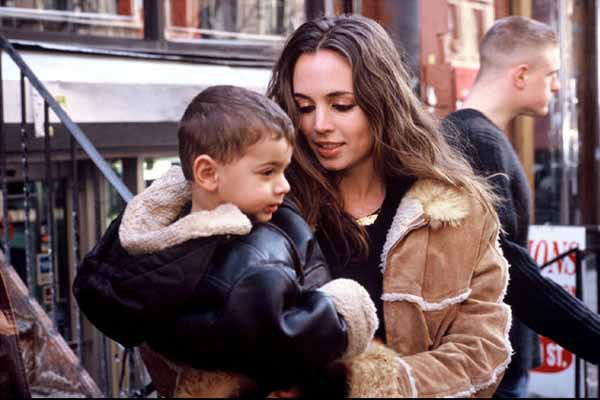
{"x":512,"y":37}
{"x":223,"y":121}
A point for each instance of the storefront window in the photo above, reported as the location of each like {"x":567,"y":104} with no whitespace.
{"x":559,"y":173}
{"x":114,"y":18}
{"x":257,"y":20}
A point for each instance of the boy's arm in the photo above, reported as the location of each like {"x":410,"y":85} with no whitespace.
{"x":122,"y":295}
{"x":95,"y":295}
{"x":268,"y":322}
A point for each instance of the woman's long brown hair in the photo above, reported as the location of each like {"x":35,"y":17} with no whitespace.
{"x":408,"y":141}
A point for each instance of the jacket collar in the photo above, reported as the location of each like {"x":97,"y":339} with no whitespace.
{"x":150,"y":222}
{"x":428,"y":202}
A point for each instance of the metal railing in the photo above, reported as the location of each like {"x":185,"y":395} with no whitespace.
{"x":78,"y":140}
{"x":592,"y":251}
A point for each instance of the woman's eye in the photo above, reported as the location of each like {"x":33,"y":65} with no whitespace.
{"x":267,"y":172}
{"x":305,"y":109}
{"x":343,"y":107}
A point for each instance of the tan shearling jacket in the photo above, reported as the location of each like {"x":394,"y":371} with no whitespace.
{"x":444,"y":280}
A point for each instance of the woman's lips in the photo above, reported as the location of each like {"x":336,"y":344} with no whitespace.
{"x":329,"y":150}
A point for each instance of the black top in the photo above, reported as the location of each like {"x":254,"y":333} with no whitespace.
{"x":538,"y":302}
{"x":368,"y":273}
{"x":489,"y":152}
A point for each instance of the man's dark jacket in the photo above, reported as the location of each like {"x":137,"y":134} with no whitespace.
{"x":536,"y":301}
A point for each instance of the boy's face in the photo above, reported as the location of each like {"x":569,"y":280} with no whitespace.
{"x":542,"y":82}
{"x":255,"y":182}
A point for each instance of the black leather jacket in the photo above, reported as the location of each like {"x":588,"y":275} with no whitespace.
{"x":246,"y":303}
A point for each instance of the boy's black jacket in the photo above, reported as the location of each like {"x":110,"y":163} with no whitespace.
{"x":219,"y":302}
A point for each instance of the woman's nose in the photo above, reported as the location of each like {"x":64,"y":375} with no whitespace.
{"x":322,"y":120}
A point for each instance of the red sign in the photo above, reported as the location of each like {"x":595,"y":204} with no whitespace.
{"x":543,"y":251}
{"x":554,"y":357}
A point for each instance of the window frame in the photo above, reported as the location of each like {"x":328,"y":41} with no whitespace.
{"x":154,"y":43}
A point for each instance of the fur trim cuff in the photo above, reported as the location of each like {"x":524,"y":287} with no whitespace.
{"x":425,"y":305}
{"x":150,"y":221}
{"x":354,"y":304}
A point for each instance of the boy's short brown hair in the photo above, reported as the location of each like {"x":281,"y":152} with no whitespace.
{"x":514,"y":36}
{"x":223,"y":121}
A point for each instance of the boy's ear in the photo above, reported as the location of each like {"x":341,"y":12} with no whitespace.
{"x":204,"y":169}
{"x":519,"y":76}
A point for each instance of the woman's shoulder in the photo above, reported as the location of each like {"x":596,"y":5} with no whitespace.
{"x":443,"y":231}
{"x":444,"y":205}
{"x":445,"y":209}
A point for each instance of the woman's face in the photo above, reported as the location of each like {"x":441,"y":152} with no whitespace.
{"x":335,"y":127}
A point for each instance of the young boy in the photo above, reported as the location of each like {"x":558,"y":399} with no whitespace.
{"x":184,"y":270}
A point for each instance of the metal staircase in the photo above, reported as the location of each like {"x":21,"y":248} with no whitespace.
{"x":44,"y":257}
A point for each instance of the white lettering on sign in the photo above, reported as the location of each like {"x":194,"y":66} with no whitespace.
{"x":563,"y":270}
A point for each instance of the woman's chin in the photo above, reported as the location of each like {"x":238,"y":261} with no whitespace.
{"x":333,"y":165}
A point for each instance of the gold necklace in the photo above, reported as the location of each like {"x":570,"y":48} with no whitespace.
{"x":369,"y":219}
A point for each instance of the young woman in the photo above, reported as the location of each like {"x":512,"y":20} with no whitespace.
{"x":396,"y":209}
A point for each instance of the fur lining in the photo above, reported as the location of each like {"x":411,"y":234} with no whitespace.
{"x":150,"y":221}
{"x":354,"y":304}
{"x":408,"y":215}
{"x":411,"y":377}
{"x":428,"y":201}
{"x":443,"y":204}
{"x":196,"y":383}
{"x":425,"y":305}
{"x":507,"y":267}
{"x":375,"y":374}
{"x":173,"y":380}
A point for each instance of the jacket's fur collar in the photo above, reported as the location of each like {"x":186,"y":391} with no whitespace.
{"x":150,"y":221}
{"x":442,"y":204}
{"x":427,"y":202}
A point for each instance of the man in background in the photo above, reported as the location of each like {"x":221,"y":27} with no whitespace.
{"x":519,"y":64}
